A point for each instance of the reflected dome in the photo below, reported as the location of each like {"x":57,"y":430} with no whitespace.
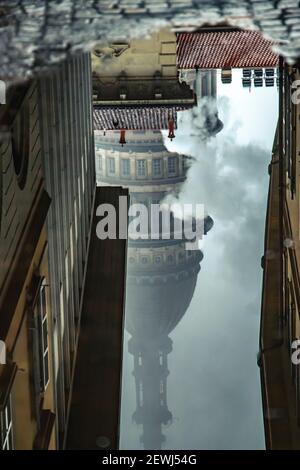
{"x":159,"y":291}
{"x":161,"y":279}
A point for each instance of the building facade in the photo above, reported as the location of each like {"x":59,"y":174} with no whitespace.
{"x":69,"y":168}
{"x":280,"y":321}
{"x":204,"y":117}
{"x":156,"y":269}
{"x":46,"y":197}
{"x":141,"y":57}
{"x":27,"y":400}
{"x":144,"y":165}
{"x":227,"y":48}
{"x":138,"y":79}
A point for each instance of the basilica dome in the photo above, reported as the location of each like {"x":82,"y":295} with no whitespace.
{"x":157,"y":299}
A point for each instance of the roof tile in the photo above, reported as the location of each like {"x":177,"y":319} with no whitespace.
{"x":234,"y":49}
{"x":135,"y":117}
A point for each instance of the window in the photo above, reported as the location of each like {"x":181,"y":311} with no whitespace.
{"x":141,"y":167}
{"x":141,"y":401}
{"x":67,"y":273}
{"x":43,"y":338}
{"x":82,"y":174}
{"x":111,"y":166}
{"x":71,"y":247}
{"x":156,"y":201}
{"x":125,"y":167}
{"x":156,"y":167}
{"x":99,"y":158}
{"x":161,"y":359}
{"x":172,"y":165}
{"x":170,"y":259}
{"x":6,"y":428}
{"x":76,"y":219}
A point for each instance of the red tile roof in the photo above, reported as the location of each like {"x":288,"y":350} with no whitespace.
{"x":234,"y":49}
{"x":135,"y":117}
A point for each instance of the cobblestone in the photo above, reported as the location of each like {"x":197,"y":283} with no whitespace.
{"x":36,"y":33}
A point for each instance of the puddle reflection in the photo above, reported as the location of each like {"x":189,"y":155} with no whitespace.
{"x":188,"y":136}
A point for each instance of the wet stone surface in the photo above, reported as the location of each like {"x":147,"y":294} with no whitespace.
{"x":36,"y":34}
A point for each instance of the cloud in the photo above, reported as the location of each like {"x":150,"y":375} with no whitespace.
{"x":231,"y":181}
{"x":213,"y":387}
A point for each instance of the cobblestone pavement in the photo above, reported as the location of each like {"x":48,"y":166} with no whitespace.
{"x":36,"y":34}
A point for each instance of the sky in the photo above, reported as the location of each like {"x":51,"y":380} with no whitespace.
{"x":213,"y":386}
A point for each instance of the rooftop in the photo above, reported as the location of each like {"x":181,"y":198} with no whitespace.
{"x":136,"y":117}
{"x":234,"y":49}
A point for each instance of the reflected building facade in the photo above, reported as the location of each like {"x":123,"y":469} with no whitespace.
{"x":201,"y":54}
{"x":134,"y":100}
{"x":47,"y":186}
{"x":280,"y":312}
{"x":144,"y":165}
{"x":136,"y":86}
{"x":204,"y":117}
{"x":161,"y":274}
{"x":160,"y":285}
